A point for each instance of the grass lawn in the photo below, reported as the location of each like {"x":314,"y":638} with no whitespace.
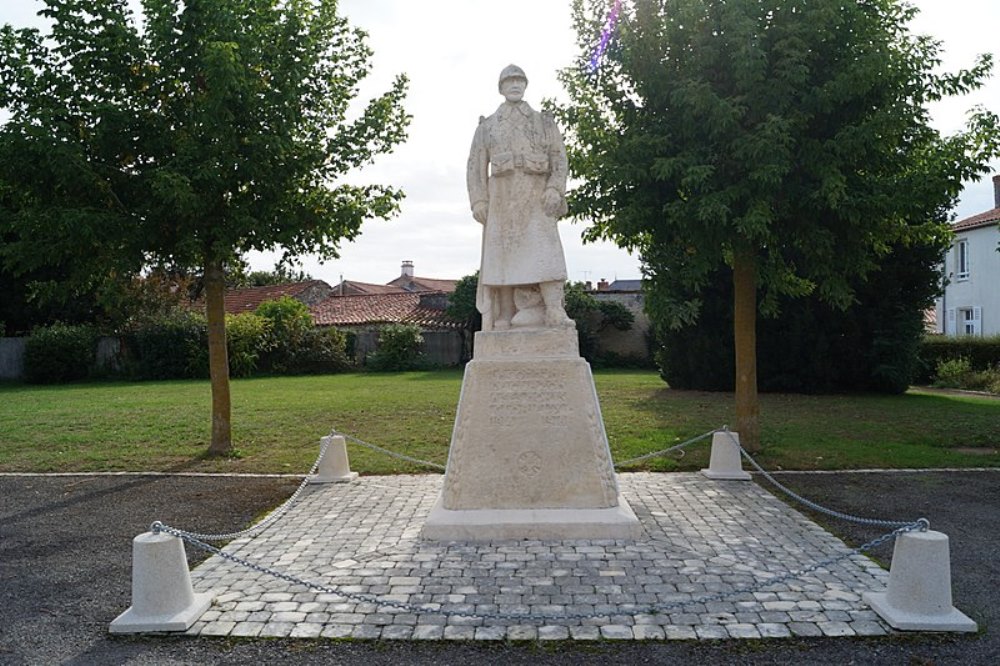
{"x":277,"y":422}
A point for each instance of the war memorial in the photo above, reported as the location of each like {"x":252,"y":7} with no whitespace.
{"x":530,"y":534}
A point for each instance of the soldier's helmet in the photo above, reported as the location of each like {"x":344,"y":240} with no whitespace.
{"x":512,"y":72}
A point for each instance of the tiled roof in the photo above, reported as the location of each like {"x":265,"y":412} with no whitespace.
{"x":361,"y":309}
{"x":247,"y":300}
{"x":424,"y":284}
{"x":982,"y":220}
{"x":353,"y":287}
{"x":625,"y":285}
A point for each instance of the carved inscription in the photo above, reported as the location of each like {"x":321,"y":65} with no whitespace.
{"x":519,"y":395}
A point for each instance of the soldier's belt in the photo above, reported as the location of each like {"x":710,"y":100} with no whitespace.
{"x":534,"y":163}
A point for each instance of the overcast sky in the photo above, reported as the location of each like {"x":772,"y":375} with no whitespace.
{"x":453,"y":50}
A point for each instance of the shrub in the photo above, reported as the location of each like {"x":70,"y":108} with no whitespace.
{"x":59,"y":353}
{"x":174,"y":346}
{"x":290,"y":322}
{"x":248,"y":336}
{"x":398,"y":348}
{"x":319,"y":351}
{"x":952,"y":373}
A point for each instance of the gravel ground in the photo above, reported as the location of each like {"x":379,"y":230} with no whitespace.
{"x":65,"y":549}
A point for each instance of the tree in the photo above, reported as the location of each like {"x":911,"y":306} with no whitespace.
{"x":593,"y":316}
{"x":814,"y":347}
{"x":280,"y":274}
{"x":462,"y":302}
{"x":788,"y":141}
{"x":213,"y":128}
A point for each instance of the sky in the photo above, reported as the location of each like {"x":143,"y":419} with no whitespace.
{"x":453,"y":51}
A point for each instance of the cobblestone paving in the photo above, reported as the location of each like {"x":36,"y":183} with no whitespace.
{"x":702,"y":538}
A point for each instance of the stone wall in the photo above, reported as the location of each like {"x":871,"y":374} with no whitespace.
{"x":12,"y":358}
{"x":445,"y":348}
{"x":633,"y":342}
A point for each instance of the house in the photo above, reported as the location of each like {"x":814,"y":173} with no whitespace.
{"x":971,"y":301}
{"x":633,"y":343}
{"x":446,"y":341}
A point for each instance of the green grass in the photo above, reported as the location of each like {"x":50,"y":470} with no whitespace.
{"x":277,"y":422}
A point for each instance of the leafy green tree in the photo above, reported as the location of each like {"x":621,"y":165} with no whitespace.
{"x":814,"y":347}
{"x":289,"y":322}
{"x":462,"y":302}
{"x":211,"y":128}
{"x":593,"y":316}
{"x":280,"y":274}
{"x":786,"y":140}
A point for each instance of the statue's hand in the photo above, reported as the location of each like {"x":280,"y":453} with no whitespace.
{"x":481,"y":211}
{"x":552,"y":203}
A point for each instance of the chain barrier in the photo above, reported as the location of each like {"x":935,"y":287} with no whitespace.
{"x":269,"y":520}
{"x":513,"y":617}
{"x":391,"y":454}
{"x":663,"y":452}
{"x":200,"y":541}
{"x":813,"y":505}
{"x":434,"y":465}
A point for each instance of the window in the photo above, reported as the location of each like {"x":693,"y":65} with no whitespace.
{"x":962,"y":260}
{"x":969,"y":321}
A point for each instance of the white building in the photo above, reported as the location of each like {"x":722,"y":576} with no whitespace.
{"x":971,"y":301}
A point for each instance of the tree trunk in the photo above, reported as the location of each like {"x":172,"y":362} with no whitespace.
{"x":745,"y":339}
{"x":218,"y":359}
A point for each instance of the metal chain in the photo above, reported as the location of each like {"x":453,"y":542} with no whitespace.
{"x":427,"y":463}
{"x":662,"y":452}
{"x":812,"y":505}
{"x":391,"y":454}
{"x":271,"y":518}
{"x":420,"y":609}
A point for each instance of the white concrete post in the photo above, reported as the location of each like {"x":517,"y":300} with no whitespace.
{"x":334,"y":467}
{"x":162,"y":596}
{"x":919,"y":594}
{"x":725,"y":462}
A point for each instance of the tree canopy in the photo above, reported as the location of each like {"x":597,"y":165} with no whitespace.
{"x":788,"y":140}
{"x":209,"y":129}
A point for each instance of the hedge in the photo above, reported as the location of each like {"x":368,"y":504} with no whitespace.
{"x":982,"y":353}
{"x":60,"y":353}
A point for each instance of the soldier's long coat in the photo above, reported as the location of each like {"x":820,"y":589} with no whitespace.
{"x":518,"y":153}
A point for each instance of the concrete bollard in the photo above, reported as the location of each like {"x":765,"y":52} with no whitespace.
{"x":919,"y":594}
{"x":162,"y":596}
{"x":725,"y":462}
{"x":334,"y":467}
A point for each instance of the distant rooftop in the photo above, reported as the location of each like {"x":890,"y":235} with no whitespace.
{"x":424,"y":309}
{"x":984,"y":219}
{"x":625,"y":285}
{"x":249,"y":298}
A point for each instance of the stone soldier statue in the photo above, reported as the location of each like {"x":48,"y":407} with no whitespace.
{"x":517,"y":188}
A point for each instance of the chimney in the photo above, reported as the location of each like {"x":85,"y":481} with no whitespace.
{"x":603,"y":285}
{"x":407,"y":268}
{"x":996,"y":191}
{"x":588,"y":285}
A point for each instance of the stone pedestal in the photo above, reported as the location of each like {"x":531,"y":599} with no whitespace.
{"x":529,"y":457}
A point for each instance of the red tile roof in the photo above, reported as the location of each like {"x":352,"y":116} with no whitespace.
{"x":353,"y":288}
{"x":248,"y":299}
{"x":361,"y":309}
{"x":986,"y":219}
{"x":423,"y":284}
